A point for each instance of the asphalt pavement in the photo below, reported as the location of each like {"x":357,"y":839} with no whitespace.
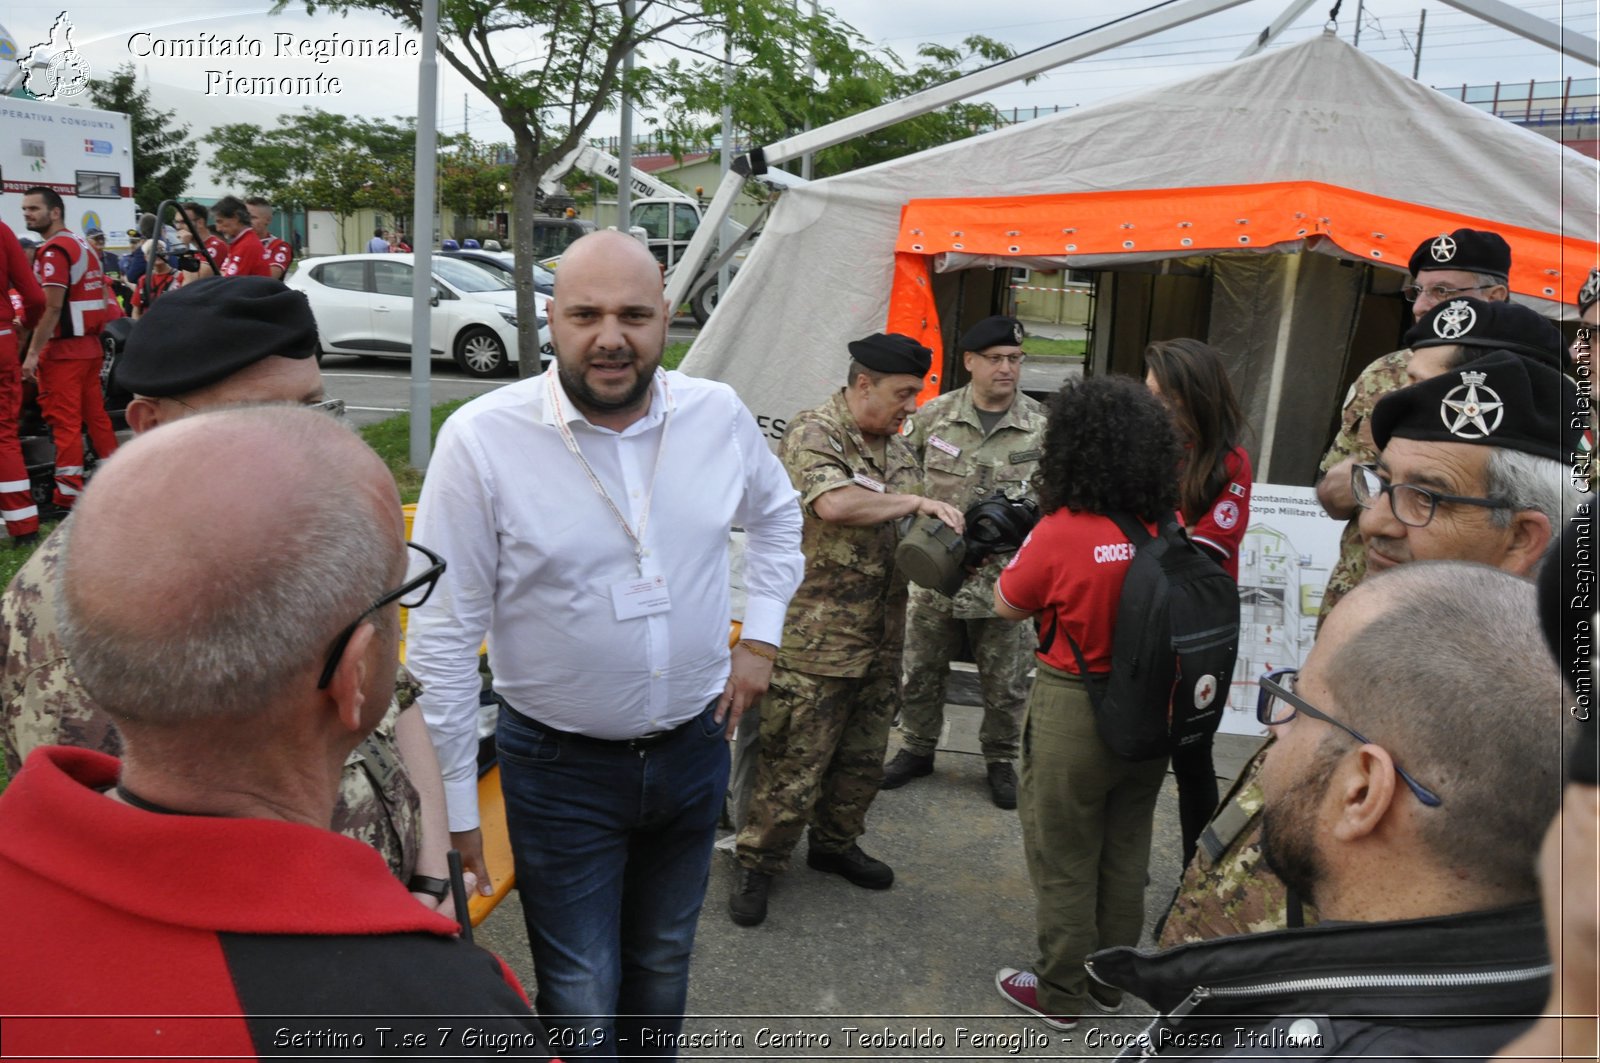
{"x":840,"y":972}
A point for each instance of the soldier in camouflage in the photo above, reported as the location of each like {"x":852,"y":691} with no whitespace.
{"x":1466,"y":262}
{"x":173,"y":371}
{"x":825,"y":719}
{"x":971,"y":442}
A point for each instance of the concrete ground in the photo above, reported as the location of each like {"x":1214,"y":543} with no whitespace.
{"x":916,"y":961}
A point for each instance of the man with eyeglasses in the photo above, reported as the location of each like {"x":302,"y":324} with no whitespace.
{"x":1466,"y":263}
{"x":1417,"y":763}
{"x":978,"y":439}
{"x":189,"y":900}
{"x":1486,"y":486}
{"x":391,"y":797}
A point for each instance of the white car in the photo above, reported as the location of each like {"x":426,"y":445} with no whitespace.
{"x":362,"y":304}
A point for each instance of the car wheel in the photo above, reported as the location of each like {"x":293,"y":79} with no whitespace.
{"x":704,"y":301}
{"x":480,"y":352}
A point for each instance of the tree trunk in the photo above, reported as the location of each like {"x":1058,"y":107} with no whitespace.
{"x":524,"y":208}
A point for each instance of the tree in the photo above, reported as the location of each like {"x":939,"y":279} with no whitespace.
{"x":550,"y":99}
{"x":318,"y":160}
{"x":474,"y":179}
{"x":771,"y":102}
{"x":164,"y":155}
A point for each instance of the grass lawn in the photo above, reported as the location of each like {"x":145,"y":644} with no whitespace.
{"x":1040,"y":347}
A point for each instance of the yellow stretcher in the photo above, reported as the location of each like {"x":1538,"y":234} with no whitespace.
{"x":491,"y":803}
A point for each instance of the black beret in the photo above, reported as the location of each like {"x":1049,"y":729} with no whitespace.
{"x":1500,"y":400}
{"x":1472,"y":250}
{"x":210,"y":329}
{"x":890,"y":352}
{"x":993,"y":332}
{"x":1495,"y":326}
{"x":1589,"y":294}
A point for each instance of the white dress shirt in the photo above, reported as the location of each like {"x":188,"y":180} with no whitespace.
{"x":534,"y":554}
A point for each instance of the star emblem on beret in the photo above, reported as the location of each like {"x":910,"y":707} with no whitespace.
{"x":1443,"y":249}
{"x":1591,"y":289}
{"x":1469,"y":406}
{"x":1455,"y":320}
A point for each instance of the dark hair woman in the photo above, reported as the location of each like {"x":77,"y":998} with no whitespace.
{"x":1214,"y":497}
{"x":1087,"y":815}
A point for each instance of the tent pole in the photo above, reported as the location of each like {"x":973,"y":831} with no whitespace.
{"x":1570,"y":43}
{"x":1280,"y":364}
{"x":1279,"y":24}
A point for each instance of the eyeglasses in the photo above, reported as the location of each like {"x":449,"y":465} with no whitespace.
{"x":410,"y":594}
{"x":1007,"y":359}
{"x":1413,"y":506}
{"x":1439,"y":292}
{"x":1277,"y":703}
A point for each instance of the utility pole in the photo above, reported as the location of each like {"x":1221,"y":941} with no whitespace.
{"x":625,"y":152}
{"x":465,"y":128}
{"x":1422,"y":24}
{"x":422,"y":236}
{"x":1360,"y":5}
{"x":811,"y":82}
{"x":725,"y":230}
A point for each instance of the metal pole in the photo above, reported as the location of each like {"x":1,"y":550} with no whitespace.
{"x":422,"y":237}
{"x":811,"y":80}
{"x":724,"y":230}
{"x":625,"y":149}
{"x":1422,"y":24}
{"x":1360,"y":6}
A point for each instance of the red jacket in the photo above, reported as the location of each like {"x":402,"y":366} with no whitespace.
{"x":134,"y":933}
{"x":17,"y":275}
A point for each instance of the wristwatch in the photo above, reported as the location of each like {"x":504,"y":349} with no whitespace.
{"x":433,"y":887}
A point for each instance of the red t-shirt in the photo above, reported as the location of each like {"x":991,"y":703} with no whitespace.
{"x":1222,"y":526}
{"x":218,"y":248}
{"x":1070,"y":571}
{"x":159,"y":282}
{"x":246,"y":257}
{"x":278,"y":253}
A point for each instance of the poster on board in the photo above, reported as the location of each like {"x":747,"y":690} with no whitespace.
{"x":1289,"y":548}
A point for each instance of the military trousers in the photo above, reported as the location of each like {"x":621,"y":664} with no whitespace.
{"x":1003,"y":652}
{"x":1087,"y":819}
{"x":822,"y":745}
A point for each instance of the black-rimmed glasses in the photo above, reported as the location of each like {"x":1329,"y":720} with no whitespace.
{"x":410,"y":594}
{"x":1277,"y":703}
{"x":1003,"y":359}
{"x":1413,"y":506}
{"x":1439,"y":292}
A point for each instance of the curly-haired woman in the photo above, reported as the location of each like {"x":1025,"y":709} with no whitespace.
{"x":1087,"y":815}
{"x":1214,"y":497}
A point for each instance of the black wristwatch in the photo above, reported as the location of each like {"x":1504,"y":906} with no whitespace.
{"x":433,"y":887}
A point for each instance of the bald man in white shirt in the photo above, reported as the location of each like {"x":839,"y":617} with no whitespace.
{"x":585,"y":515}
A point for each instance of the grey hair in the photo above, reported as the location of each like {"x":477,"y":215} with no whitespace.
{"x":1528,"y":481}
{"x":856,"y":369}
{"x":239,"y":651}
{"x":1453,"y":677}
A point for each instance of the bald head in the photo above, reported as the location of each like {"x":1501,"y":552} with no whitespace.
{"x":609,"y":325}
{"x":211,"y":563}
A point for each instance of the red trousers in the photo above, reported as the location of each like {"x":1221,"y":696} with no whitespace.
{"x":70,"y":399}
{"x":16,"y":497}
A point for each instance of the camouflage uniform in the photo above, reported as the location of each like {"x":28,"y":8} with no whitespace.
{"x":961,"y":466}
{"x":41,"y":704}
{"x":1355,"y":441}
{"x":825,"y":719}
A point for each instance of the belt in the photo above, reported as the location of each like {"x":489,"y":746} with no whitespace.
{"x":636,"y":745}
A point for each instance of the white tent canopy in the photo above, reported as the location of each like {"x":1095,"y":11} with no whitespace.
{"x":822,"y":272}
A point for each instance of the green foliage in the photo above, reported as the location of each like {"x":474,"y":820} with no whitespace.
{"x":164,"y":155}
{"x":472,"y":182}
{"x":773,"y":98}
{"x":1041,"y":347}
{"x":319,"y":160}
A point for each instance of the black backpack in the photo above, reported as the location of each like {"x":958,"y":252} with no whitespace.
{"x":1173,"y":650}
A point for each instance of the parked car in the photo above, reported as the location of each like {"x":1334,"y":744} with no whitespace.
{"x":362,"y":304}
{"x":544,"y":281}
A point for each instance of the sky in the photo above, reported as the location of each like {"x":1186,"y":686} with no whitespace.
{"x":1457,"y":49}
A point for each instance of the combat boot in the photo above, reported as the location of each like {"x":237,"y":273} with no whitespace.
{"x":903,"y":767}
{"x":854,"y":866}
{"x":1003,"y":784}
{"x":748,"y":903}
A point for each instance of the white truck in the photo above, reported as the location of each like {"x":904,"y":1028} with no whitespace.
{"x":84,"y":155}
{"x":669,"y":216}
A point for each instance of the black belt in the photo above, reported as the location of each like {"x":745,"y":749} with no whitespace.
{"x":639,"y":744}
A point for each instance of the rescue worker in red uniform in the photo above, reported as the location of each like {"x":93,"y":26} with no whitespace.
{"x":246,"y":257}
{"x":160,"y":278}
{"x":201,"y":235}
{"x":27,"y":304}
{"x":64,"y":353}
{"x":279,"y":253}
